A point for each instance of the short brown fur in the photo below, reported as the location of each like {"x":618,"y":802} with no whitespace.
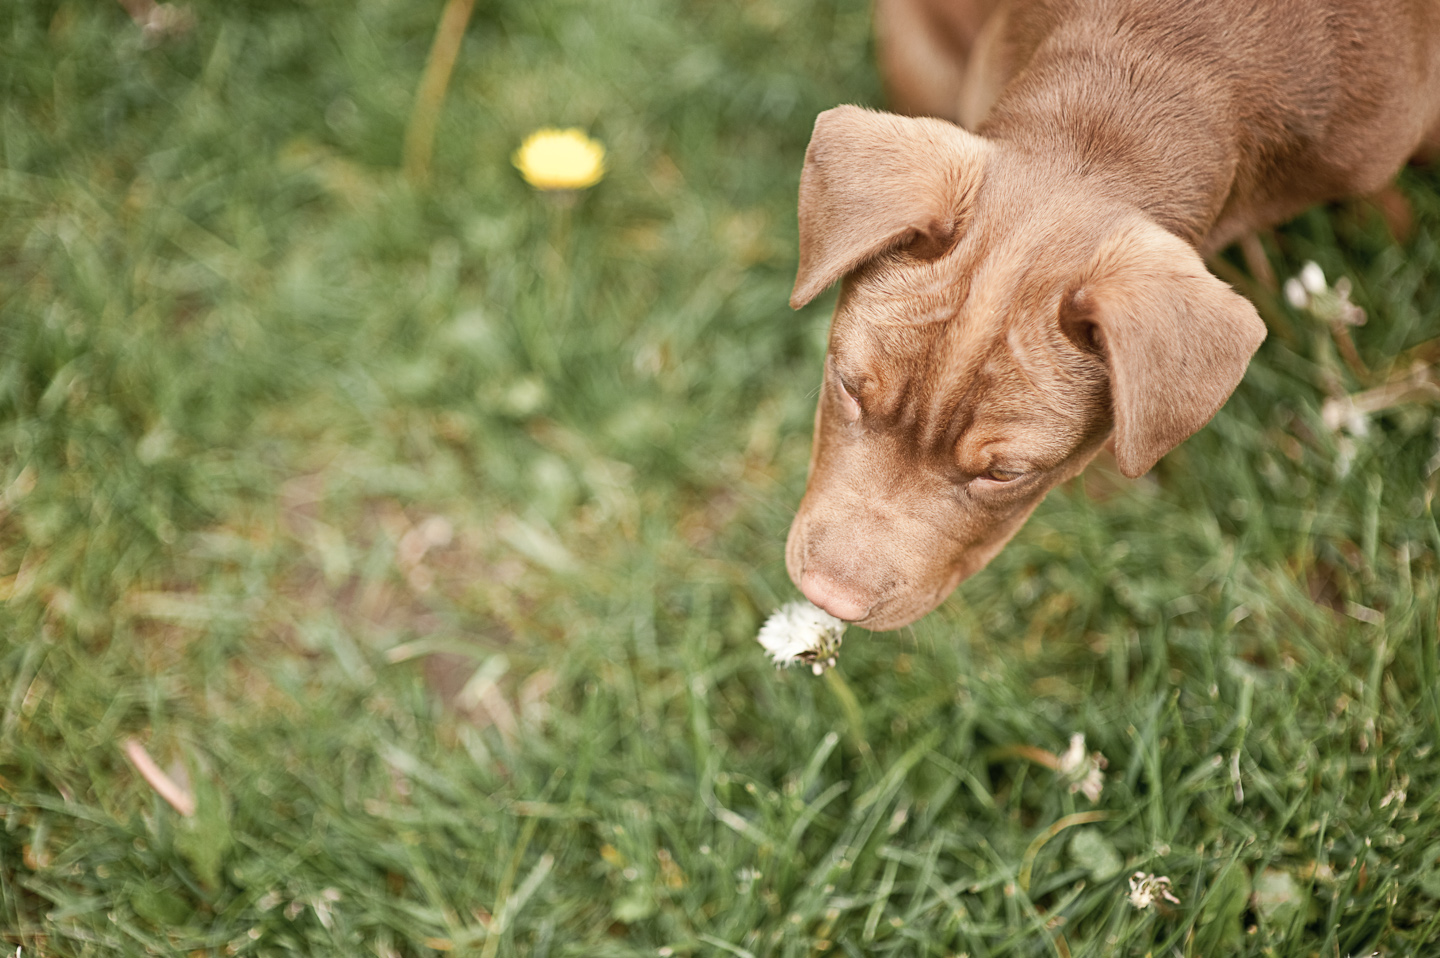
{"x":1014,"y":297}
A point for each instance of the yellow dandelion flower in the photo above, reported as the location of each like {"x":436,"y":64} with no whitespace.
{"x":552,"y":159}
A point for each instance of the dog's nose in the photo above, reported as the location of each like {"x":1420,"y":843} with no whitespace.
{"x":832,"y":598}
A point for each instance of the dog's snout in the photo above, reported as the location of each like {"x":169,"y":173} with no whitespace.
{"x":833,"y":597}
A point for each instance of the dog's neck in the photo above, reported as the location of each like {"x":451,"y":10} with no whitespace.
{"x":1145,"y":126}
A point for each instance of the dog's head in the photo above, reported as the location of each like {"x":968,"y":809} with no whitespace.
{"x":998,"y":320}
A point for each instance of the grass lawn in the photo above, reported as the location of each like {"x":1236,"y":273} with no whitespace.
{"x":419,"y":529}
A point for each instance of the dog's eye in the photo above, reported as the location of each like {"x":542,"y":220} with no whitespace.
{"x":1002,"y":475}
{"x":849,"y":394}
{"x":849,"y":402}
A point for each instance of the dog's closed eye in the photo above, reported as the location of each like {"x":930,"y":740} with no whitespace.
{"x":847,"y":392}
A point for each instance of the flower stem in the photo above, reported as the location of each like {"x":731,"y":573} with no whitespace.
{"x":420,"y":132}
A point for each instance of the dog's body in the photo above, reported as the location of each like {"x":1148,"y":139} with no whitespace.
{"x":1016,"y":296}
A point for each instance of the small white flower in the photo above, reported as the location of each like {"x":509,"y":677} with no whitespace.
{"x":1146,"y":889}
{"x":1092,"y":784}
{"x":1295,"y":293}
{"x":1312,"y":277}
{"x":1085,"y":770}
{"x":1074,"y":756}
{"x":1310,"y":291}
{"x":802,"y":632}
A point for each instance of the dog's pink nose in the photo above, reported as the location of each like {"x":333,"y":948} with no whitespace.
{"x":832,"y":598}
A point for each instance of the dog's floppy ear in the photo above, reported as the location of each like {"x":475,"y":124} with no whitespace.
{"x":873,"y":181}
{"x":1175,"y":338}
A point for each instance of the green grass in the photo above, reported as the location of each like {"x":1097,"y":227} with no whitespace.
{"x":246,"y":369}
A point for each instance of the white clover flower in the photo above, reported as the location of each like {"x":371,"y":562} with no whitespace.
{"x":802,"y":632}
{"x":1085,"y":770}
{"x":1146,"y":889}
{"x":1312,"y":277}
{"x":1295,"y":293}
{"x":1311,"y":292}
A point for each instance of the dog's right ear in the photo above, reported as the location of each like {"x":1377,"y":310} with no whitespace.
{"x":875,"y":181}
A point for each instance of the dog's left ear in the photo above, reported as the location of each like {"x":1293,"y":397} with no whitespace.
{"x":875,"y":181}
{"x":1176,"y":339}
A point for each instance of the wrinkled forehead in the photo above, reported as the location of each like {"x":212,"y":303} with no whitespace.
{"x":953,"y":323}
{"x":1004,"y":269}
{"x":942,"y":356}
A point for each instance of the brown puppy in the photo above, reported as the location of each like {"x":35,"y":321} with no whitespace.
{"x":1016,"y":296}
